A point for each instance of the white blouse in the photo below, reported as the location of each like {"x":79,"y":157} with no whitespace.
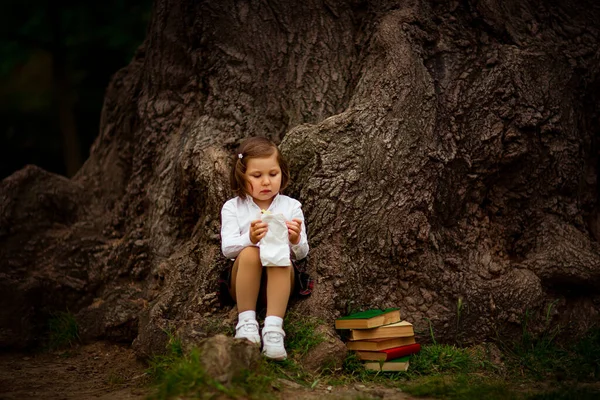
{"x":237,"y":213}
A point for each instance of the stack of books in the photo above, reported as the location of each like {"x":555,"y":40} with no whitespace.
{"x":380,"y":338}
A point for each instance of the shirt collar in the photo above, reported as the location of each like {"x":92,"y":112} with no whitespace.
{"x":250,"y":200}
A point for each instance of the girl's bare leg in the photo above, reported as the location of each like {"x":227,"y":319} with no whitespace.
{"x":280,"y":281}
{"x":245,"y":279}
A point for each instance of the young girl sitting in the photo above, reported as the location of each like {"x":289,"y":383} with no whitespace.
{"x":258,"y":174}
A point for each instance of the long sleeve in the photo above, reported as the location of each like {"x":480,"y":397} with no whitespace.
{"x":232,"y":239}
{"x":300,"y":250}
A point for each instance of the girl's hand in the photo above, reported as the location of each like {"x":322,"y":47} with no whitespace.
{"x":294,"y":229}
{"x":258,"y":230}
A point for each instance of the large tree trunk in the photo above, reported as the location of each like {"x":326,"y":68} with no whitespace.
{"x":445,"y":153}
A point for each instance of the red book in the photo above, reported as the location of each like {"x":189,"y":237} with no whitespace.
{"x":389,"y":354}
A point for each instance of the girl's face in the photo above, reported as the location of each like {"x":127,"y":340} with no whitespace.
{"x":263,"y":179}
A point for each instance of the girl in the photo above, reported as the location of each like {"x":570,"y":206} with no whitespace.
{"x":258,"y":174}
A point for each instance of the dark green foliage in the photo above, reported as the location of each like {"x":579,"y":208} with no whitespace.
{"x":438,"y":371}
{"x":160,"y":364}
{"x":178,"y":373}
{"x":353,"y":368}
{"x":181,"y":374}
{"x":449,"y":372}
{"x":464,"y":387}
{"x":568,"y":393}
{"x":441,"y":358}
{"x":537,"y":354}
{"x":63,"y":330}
{"x":539,"y":357}
{"x":301,"y":333}
{"x":587,"y":354}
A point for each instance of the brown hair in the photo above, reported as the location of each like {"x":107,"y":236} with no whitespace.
{"x":255,"y":147}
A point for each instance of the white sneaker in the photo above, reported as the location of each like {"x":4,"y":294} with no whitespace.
{"x":248,"y":329}
{"x":273,"y":343}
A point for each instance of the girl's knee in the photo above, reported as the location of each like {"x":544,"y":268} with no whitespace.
{"x":250,"y":253}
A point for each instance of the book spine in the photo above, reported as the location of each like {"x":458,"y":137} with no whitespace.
{"x":378,"y":333}
{"x":402,"y":351}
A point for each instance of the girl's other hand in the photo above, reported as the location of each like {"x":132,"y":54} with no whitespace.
{"x":294,"y":229}
{"x":258,"y":230}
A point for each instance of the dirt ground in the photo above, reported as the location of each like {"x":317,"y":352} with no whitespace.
{"x":110,"y":371}
{"x":95,"y":371}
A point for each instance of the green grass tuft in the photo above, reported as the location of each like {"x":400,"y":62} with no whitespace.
{"x":442,"y":358}
{"x":540,"y":358}
{"x":287,"y":369}
{"x":587,"y":356}
{"x":178,"y":374}
{"x":568,"y":393}
{"x":353,"y":369}
{"x":63,"y":330}
{"x":536,"y":355}
{"x":463,"y":387}
{"x":301,"y":333}
{"x":438,"y":371}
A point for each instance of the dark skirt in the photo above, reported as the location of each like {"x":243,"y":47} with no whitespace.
{"x":303,"y":284}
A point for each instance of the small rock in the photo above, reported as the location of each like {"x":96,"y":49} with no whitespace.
{"x":289,"y":384}
{"x":225,"y":358}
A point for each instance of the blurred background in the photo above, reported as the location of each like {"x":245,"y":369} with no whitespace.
{"x":56,"y":60}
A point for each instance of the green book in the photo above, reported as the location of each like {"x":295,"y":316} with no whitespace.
{"x":368,"y":319}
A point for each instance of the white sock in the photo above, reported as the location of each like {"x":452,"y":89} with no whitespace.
{"x":247,"y":315}
{"x":272,"y":320}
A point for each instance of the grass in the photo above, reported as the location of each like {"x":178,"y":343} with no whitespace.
{"x":433,"y":360}
{"x":448,"y":372}
{"x":178,"y":373}
{"x":439,"y":371}
{"x":566,"y":392}
{"x":587,"y":353}
{"x":444,"y":358}
{"x":539,"y":357}
{"x":301,"y":333}
{"x":63,"y":330}
{"x":462,"y":386}
{"x":161,"y":364}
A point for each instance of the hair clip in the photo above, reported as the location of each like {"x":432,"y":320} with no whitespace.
{"x":240,"y":156}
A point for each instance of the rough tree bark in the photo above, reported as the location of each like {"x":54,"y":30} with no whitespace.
{"x":444,"y":151}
